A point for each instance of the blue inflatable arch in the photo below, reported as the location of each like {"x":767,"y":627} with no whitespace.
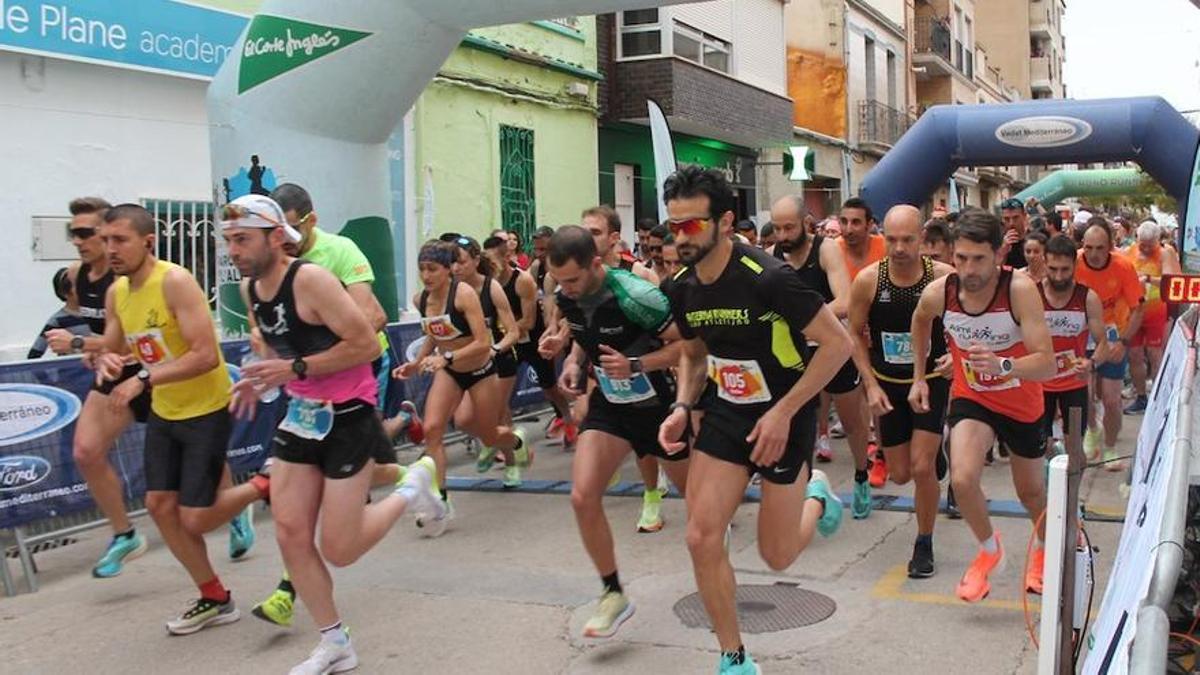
{"x":1144,"y":130}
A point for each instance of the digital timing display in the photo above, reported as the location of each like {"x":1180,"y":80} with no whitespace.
{"x":1181,"y":288}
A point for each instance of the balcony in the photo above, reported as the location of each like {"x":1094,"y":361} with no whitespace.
{"x":880,"y":124}
{"x":939,"y":53}
{"x":1039,"y":75}
{"x":1039,"y":20}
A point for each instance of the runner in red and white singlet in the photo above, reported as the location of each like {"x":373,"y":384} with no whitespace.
{"x":996,"y":332}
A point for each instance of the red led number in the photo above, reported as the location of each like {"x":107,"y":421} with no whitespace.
{"x":1181,"y":288}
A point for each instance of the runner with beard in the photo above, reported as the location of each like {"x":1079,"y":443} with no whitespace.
{"x":821,"y":267}
{"x":745,"y":319}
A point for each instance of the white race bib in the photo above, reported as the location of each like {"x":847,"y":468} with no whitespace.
{"x":1064,"y":361}
{"x":740,"y":382}
{"x":307,"y":418}
{"x":982,"y":382}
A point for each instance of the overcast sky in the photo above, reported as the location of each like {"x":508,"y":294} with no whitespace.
{"x":1133,"y":48}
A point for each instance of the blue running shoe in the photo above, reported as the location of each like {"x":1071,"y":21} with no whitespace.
{"x":120,"y":550}
{"x":241,"y":533}
{"x":746,"y":667}
{"x":831,"y":519}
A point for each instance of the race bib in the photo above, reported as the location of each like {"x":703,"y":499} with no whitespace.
{"x":149,"y":347}
{"x":440,"y":327}
{"x":897,"y":348}
{"x":740,"y":382}
{"x":308,"y":419}
{"x":624,"y":392}
{"x":1064,"y":361}
{"x":983,"y":382}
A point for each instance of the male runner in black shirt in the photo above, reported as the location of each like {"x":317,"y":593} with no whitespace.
{"x":744,"y":317}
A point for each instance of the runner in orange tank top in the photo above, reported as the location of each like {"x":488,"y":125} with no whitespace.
{"x":996,"y":331}
{"x":860,"y":247}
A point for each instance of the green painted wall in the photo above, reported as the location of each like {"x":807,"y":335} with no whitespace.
{"x":457,"y":130}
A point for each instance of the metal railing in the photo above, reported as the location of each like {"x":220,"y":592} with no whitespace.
{"x":880,"y":123}
{"x":932,"y":36}
{"x":186,"y":236}
{"x":1150,"y":644}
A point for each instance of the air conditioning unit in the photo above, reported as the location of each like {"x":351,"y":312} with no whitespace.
{"x":579,"y":89}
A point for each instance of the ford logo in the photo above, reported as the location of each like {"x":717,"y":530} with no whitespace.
{"x":21,"y":471}
{"x":1043,"y":132}
{"x":29,"y":411}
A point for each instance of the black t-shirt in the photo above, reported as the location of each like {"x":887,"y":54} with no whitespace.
{"x":752,"y":320}
{"x":627,"y":314}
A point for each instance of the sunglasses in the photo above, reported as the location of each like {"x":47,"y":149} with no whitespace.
{"x":81,"y":233}
{"x":688,"y":226}
{"x":237,"y":212}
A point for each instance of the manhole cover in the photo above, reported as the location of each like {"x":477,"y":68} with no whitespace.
{"x":764,"y":608}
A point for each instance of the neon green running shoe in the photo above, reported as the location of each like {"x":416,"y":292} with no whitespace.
{"x":651,"y":520}
{"x":512,"y":477}
{"x":276,"y":609}
{"x":612,"y":611}
{"x":485,"y":459}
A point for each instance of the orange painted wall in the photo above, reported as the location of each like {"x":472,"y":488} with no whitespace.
{"x":818,"y":86}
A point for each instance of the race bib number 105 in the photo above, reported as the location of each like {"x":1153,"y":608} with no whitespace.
{"x":740,"y":382}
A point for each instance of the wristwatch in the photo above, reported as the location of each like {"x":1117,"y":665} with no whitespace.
{"x":144,"y":376}
{"x":449,"y":356}
{"x":635,"y":364}
{"x":679,"y":404}
{"x":1006,"y":366}
{"x":77,"y":344}
{"x":300,"y":368}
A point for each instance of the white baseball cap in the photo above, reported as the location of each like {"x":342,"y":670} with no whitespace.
{"x":1082,"y":217}
{"x":258,"y":211}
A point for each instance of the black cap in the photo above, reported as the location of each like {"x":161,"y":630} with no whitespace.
{"x":746,"y":226}
{"x":1012,"y":203}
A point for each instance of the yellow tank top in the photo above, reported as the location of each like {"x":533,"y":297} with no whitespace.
{"x":154,"y":337}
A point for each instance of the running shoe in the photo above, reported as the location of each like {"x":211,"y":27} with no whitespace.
{"x":555,"y":428}
{"x":974,"y":585}
{"x":921,"y":565}
{"x":416,"y":427}
{"x":860,"y":506}
{"x":203,"y":613}
{"x":1035,"y":569}
{"x":120,"y":551}
{"x":330,"y":656}
{"x":952,"y":511}
{"x":837,"y":429}
{"x":523,"y":453}
{"x":417,"y":487}
{"x":1137,"y":407}
{"x":1112,"y":461}
{"x":824,"y":453}
{"x":434,"y":527}
{"x":612,"y":611}
{"x":831,"y":517}
{"x":746,"y":667}
{"x":570,"y":434}
{"x":485,"y":460}
{"x":878,"y":470}
{"x":664,"y":483}
{"x":512,"y":477}
{"x":1128,"y":391}
{"x":241,"y":533}
{"x":277,"y":608}
{"x":1091,"y":443}
{"x":651,"y":520}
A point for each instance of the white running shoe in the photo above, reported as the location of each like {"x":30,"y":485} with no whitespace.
{"x":328,"y":657}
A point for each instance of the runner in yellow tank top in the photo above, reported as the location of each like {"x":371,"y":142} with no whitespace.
{"x":163,"y":323}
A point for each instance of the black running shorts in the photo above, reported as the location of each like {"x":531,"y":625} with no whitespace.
{"x":357,"y":435}
{"x":140,"y":405}
{"x":543,"y":369}
{"x":1061,"y":402}
{"x":723,"y":434}
{"x":637,"y":424}
{"x":896,"y":428}
{"x":1024,"y":439}
{"x":187,"y":456}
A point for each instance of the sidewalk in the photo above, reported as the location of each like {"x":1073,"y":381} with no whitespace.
{"x":509,"y":587}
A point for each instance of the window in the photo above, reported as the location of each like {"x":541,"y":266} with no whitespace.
{"x":891,"y":79}
{"x":517,"y":205}
{"x":869,"y":61}
{"x":641,"y":34}
{"x":702,"y":48}
{"x":185,"y":236}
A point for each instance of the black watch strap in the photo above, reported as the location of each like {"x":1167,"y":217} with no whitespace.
{"x":300,"y":368}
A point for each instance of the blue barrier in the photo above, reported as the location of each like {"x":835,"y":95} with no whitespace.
{"x":40,"y":402}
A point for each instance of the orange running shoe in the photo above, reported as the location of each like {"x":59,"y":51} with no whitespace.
{"x":556,"y":428}
{"x":879,"y":470}
{"x":974,"y":585}
{"x":570,"y":434}
{"x":1034,"y":570}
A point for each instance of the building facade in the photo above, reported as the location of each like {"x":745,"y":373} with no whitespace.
{"x":717,"y":70}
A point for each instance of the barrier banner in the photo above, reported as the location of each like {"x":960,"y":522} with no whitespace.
{"x":40,"y":402}
{"x":1107,"y":647}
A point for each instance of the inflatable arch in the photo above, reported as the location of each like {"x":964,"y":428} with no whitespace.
{"x":1083,"y":183}
{"x":1144,"y":130}
{"x":317,"y":89}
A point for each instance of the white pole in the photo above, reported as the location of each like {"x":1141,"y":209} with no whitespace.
{"x":1056,"y":515}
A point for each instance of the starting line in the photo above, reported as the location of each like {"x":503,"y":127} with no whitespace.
{"x":1000,"y":508}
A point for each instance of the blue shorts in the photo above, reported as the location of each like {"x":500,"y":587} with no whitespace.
{"x":1112,"y":371}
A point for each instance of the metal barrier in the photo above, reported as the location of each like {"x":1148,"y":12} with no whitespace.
{"x":1150,"y":643}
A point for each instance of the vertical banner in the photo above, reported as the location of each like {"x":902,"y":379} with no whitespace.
{"x":664,"y":153}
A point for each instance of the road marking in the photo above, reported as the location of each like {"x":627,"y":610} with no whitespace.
{"x":891,"y":587}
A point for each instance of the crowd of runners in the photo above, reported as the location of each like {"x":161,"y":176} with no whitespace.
{"x":716,"y":352}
